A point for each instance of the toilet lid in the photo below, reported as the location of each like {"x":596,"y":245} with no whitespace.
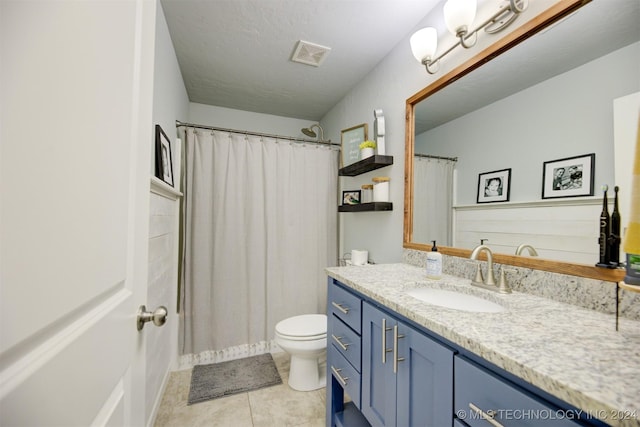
{"x":307,"y":325}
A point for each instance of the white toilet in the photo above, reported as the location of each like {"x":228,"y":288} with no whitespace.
{"x":305,"y":339}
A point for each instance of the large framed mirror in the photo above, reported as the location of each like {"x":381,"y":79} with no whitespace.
{"x":566,"y":36}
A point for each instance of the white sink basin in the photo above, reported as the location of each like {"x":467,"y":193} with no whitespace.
{"x":455,"y":300}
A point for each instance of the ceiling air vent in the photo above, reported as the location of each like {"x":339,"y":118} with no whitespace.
{"x":310,"y":53}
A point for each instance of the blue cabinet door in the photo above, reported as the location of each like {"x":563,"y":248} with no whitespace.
{"x":378,"y":380}
{"x":412,"y":384}
{"x":424,"y":382}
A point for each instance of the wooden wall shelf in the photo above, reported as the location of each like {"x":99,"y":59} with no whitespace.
{"x":374,"y":162}
{"x":364,"y":207}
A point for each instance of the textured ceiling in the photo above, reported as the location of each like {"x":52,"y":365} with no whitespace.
{"x":236,"y":53}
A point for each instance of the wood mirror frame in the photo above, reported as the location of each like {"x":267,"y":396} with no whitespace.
{"x":551,"y":15}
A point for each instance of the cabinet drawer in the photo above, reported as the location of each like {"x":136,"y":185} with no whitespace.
{"x":345,"y":305}
{"x":346,"y":342}
{"x":477,"y":388}
{"x":345,"y":374}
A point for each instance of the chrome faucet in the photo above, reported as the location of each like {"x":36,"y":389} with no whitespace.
{"x":531,"y":249}
{"x":491,"y":278}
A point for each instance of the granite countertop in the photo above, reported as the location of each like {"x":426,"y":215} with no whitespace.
{"x":572,"y":353}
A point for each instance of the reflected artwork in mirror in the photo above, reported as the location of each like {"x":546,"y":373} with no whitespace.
{"x":542,"y":92}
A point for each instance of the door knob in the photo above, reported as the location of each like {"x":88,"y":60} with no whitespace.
{"x":158,"y":316}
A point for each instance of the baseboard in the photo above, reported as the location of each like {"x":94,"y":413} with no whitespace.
{"x":156,"y":405}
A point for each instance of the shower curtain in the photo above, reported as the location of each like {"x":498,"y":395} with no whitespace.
{"x":260,"y":218}
{"x":432,"y":200}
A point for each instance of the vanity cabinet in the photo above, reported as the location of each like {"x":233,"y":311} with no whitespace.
{"x":406,"y":376}
{"x":480,"y":395}
{"x":398,"y":374}
{"x":344,"y":317}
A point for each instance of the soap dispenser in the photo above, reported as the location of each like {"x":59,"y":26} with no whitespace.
{"x":434,"y":263}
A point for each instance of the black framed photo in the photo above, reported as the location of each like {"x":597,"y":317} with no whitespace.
{"x":494,"y":186}
{"x":351,"y":197}
{"x":568,"y":177}
{"x":164,"y":165}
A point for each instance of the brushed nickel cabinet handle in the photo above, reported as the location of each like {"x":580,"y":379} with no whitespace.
{"x":343,"y":310}
{"x":336,"y":372}
{"x":396,"y":359}
{"x":342,"y":345}
{"x":487,"y":416}
{"x":385,"y":350}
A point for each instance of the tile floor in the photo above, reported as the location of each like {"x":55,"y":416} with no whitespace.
{"x":268,"y":407}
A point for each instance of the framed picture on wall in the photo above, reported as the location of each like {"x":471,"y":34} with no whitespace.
{"x":164,"y":166}
{"x":350,"y":140}
{"x":494,"y":186}
{"x":569,"y":177}
{"x":351,"y":197}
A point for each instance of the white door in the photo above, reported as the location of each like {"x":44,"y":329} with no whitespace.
{"x":76,"y":81}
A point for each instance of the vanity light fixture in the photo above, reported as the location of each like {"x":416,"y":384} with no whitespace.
{"x":458,"y":17}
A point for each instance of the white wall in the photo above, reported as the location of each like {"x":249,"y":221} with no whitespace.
{"x":387,"y":87}
{"x":161,"y":345}
{"x":170,"y":102}
{"x":229,"y":118}
{"x":565,"y":116}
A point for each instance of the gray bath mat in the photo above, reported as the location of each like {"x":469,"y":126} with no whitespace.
{"x":232,"y":377}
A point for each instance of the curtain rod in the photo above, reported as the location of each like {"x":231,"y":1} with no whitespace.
{"x":429,"y":156}
{"x":244,"y":132}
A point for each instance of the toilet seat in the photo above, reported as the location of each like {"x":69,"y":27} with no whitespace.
{"x":308,"y":327}
{"x":296,"y":338}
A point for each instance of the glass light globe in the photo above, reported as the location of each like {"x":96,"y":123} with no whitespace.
{"x":459,"y":15}
{"x":424,"y":43}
